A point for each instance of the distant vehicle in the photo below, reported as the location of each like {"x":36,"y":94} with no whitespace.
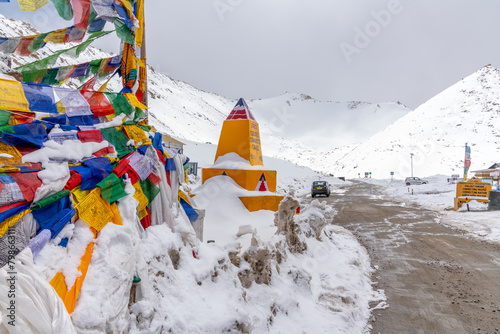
{"x":320,"y":188}
{"x":414,"y":180}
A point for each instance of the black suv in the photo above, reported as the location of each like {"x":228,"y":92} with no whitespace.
{"x":320,"y":188}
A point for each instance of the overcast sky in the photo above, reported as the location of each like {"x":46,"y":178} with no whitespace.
{"x":369,"y":50}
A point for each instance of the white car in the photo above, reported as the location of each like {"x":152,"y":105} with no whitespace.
{"x":414,"y":180}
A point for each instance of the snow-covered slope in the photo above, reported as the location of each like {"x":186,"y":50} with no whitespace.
{"x":436,"y":132}
{"x":293,"y":127}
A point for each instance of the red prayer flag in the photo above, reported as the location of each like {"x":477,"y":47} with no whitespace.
{"x":99,"y":103}
{"x":154,"y":178}
{"x":74,"y":180}
{"x":28,"y":182}
{"x":81,"y":12}
{"x":22,"y":47}
{"x":12,"y":206}
{"x":90,"y":136}
{"x":146,"y":221}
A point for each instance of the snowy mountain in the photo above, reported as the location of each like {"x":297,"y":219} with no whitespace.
{"x":292,"y":125}
{"x":436,"y":132}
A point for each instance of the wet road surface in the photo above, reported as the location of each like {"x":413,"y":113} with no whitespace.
{"x":437,"y":280}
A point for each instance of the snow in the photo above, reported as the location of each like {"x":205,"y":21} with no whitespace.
{"x":438,"y":195}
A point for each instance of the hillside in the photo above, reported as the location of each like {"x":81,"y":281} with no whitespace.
{"x":436,"y":132}
{"x":289,"y":123}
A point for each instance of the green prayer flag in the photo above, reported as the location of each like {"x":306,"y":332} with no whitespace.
{"x":96,"y":64}
{"x":145,"y":127}
{"x":50,"y":77}
{"x":112,"y":188}
{"x":123,"y":32}
{"x":119,"y":141}
{"x":38,"y":42}
{"x":49,"y":200}
{"x":120,"y":103}
{"x":63,"y":8}
{"x":150,"y":190}
{"x":139,"y":114}
{"x":6,"y":129}
{"x":4,"y":117}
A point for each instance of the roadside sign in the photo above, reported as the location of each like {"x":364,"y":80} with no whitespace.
{"x":472,"y":190}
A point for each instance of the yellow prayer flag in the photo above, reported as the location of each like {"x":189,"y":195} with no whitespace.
{"x":140,"y":197}
{"x":79,"y":194}
{"x":31,"y":5}
{"x":137,"y":134}
{"x":142,"y":214}
{"x":184,"y":197}
{"x":117,"y":220}
{"x":11,"y":150}
{"x":12,"y":96}
{"x":9,"y":222}
{"x":134,"y":101}
{"x":56,"y":36}
{"x":94,"y":210}
{"x":140,"y":16}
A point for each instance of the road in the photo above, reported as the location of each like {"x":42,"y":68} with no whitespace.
{"x":437,"y":280}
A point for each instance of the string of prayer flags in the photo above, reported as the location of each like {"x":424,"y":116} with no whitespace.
{"x":49,"y":61}
{"x":26,"y":45}
{"x":57,"y":75}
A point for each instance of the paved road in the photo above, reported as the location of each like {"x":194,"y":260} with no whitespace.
{"x":436,"y":279}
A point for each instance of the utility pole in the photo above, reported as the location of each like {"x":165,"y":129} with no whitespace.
{"x":411,"y":158}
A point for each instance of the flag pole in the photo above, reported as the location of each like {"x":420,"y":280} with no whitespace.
{"x":465,"y":163}
{"x":143,"y":56}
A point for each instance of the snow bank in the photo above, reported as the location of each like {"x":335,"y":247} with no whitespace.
{"x":438,"y":195}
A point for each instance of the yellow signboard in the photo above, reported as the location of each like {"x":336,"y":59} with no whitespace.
{"x":472,"y":190}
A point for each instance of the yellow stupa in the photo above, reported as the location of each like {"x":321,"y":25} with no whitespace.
{"x":240,"y":135}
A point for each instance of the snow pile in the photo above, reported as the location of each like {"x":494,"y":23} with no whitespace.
{"x":255,"y":283}
{"x":438,"y":195}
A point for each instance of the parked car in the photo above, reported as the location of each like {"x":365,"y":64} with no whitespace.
{"x":414,"y":180}
{"x":320,"y":188}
